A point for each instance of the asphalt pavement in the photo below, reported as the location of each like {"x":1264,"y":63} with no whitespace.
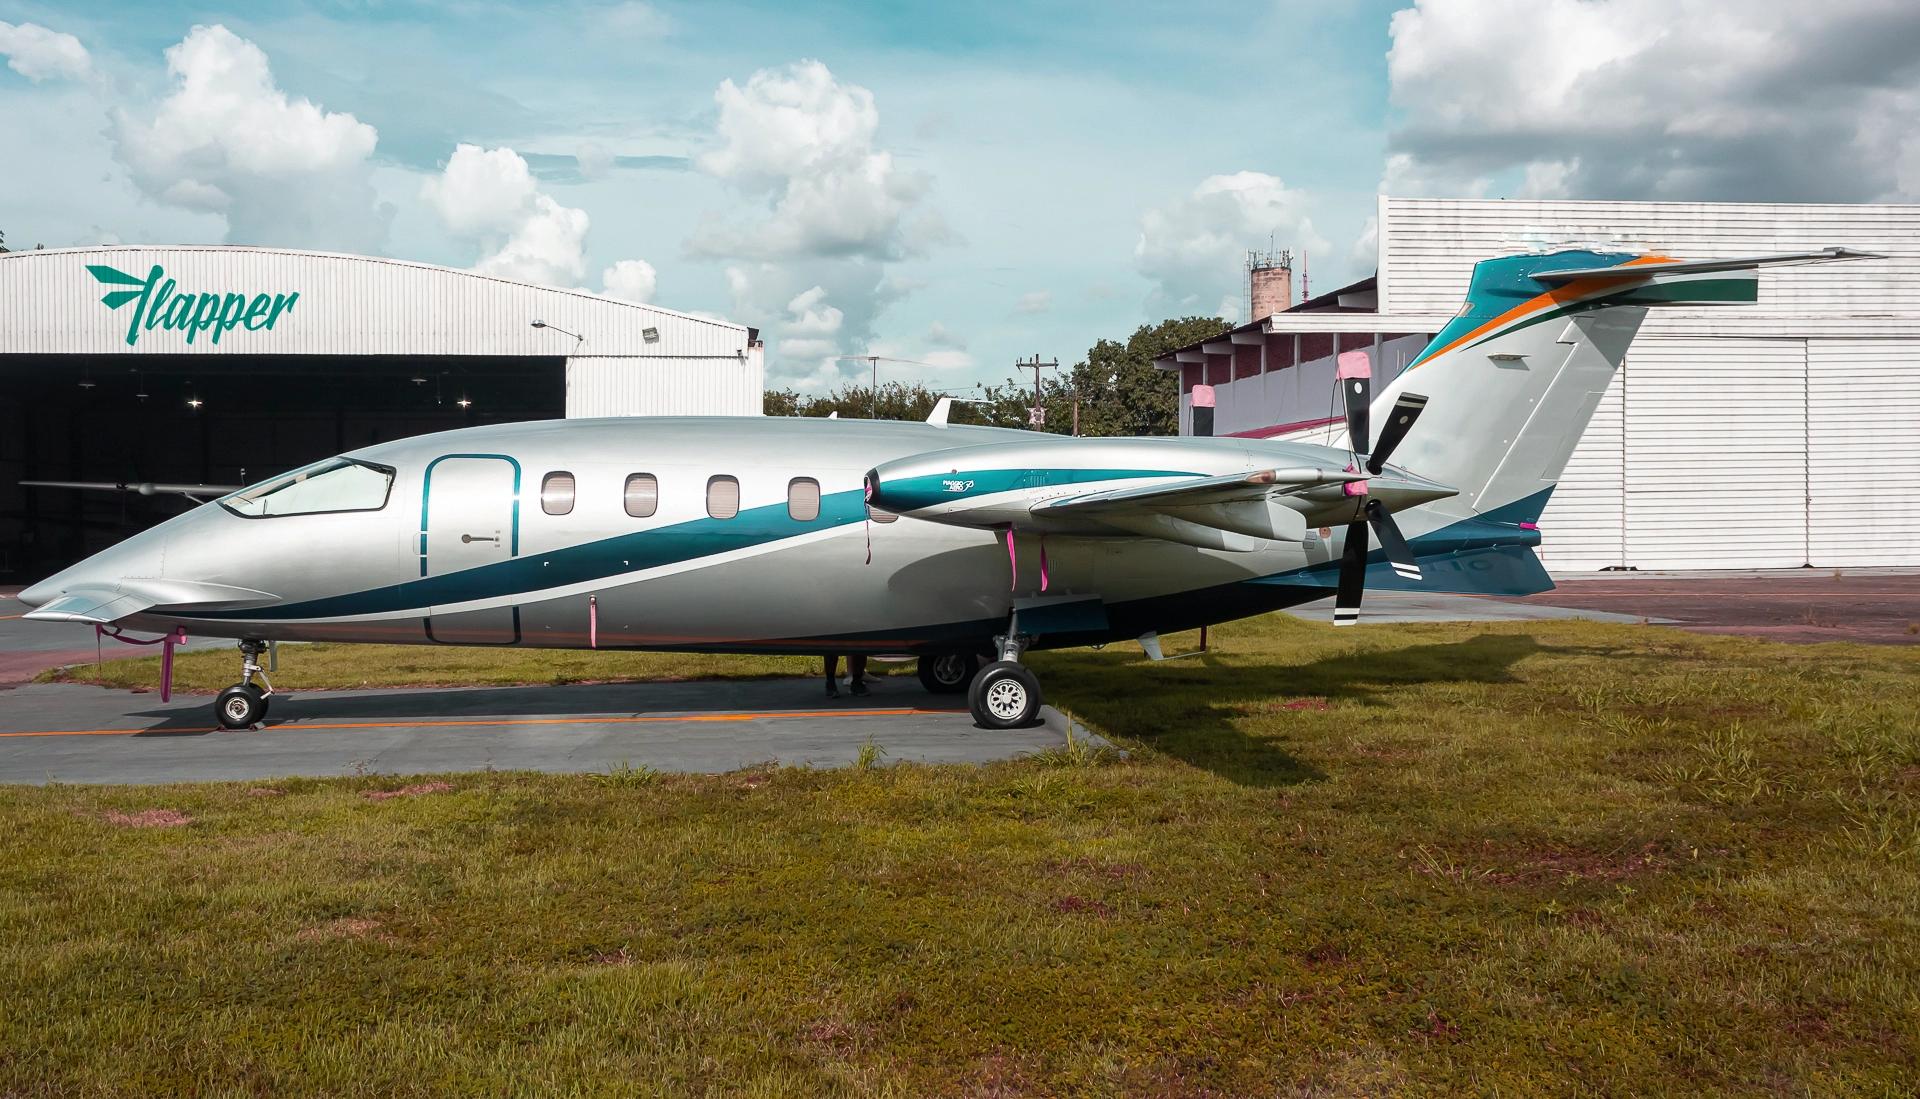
{"x":72,"y":733}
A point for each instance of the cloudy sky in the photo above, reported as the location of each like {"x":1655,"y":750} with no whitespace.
{"x":956,"y":184}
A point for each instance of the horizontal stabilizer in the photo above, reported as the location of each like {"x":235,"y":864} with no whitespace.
{"x":1650,"y":267}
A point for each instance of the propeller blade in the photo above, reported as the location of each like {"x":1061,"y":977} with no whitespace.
{"x":1398,"y":552}
{"x":1400,"y":421}
{"x":1353,"y":575}
{"x":1355,"y":373}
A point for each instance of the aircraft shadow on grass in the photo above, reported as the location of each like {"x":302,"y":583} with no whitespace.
{"x":187,"y":716}
{"x":1206,"y":736}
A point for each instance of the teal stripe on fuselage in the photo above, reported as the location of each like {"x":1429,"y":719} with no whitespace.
{"x":606,"y":558}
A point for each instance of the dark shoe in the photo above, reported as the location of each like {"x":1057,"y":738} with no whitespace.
{"x":860,"y":690}
{"x":833,"y":691}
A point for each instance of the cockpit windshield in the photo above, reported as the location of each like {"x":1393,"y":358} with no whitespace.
{"x":337,"y":484}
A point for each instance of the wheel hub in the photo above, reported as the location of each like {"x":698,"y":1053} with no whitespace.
{"x":1006,"y":699}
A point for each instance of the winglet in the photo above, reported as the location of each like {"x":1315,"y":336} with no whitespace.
{"x":938,"y":417}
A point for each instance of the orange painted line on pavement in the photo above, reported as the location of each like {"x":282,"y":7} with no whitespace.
{"x":481,"y":722}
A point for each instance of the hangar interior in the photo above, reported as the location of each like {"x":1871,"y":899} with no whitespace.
{"x":114,"y":418}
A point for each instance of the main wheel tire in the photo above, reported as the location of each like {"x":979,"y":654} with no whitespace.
{"x":1004,"y":696}
{"x":948,"y":673}
{"x":240,"y":706}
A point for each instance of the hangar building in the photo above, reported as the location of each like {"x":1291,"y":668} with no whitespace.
{"x":1775,"y":435}
{"x":224,"y":365}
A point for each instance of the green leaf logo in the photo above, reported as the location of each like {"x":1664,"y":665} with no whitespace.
{"x":113,"y":276}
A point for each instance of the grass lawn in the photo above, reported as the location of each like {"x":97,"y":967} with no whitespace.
{"x":1554,"y":858}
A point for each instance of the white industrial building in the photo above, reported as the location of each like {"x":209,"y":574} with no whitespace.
{"x":220,"y":365}
{"x":622,"y":359}
{"x":1773,"y":435}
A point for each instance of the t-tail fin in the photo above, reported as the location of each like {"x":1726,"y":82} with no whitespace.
{"x":1513,"y":379}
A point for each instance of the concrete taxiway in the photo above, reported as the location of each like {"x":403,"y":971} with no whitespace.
{"x":74,"y":733}
{"x":69,"y":733}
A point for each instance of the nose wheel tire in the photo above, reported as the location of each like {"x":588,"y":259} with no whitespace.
{"x":1004,"y":695}
{"x":240,"y":706}
{"x":948,"y":673}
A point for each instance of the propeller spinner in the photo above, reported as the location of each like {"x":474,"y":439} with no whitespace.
{"x":1355,"y":374}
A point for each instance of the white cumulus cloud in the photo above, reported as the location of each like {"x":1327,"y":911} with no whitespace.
{"x":1766,"y":100}
{"x":482,"y":191}
{"x":831,"y":211}
{"x":1194,"y":250}
{"x":524,"y":233}
{"x":805,"y":142}
{"x":38,"y":53}
{"x":225,"y":139}
{"x":631,"y":280}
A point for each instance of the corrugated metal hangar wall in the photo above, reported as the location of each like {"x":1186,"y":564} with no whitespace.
{"x":211,"y":365}
{"x":1774,"y":435}
{"x":628,"y":360}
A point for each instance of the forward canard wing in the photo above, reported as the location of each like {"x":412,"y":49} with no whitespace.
{"x":105,"y":604}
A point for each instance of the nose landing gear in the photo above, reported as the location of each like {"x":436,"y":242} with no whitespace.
{"x":244,"y":704}
{"x":1005,"y":695}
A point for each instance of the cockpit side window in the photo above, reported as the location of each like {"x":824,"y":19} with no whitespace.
{"x":337,"y":484}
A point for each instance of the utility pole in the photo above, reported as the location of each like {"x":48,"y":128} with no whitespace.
{"x":1037,"y":415}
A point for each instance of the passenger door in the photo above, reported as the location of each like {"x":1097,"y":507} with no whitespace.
{"x":469,"y":529}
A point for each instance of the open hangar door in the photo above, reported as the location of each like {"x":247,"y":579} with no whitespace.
{"x":220,"y":420}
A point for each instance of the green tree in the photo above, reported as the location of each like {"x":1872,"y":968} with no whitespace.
{"x":781,"y":402}
{"x":1117,"y":387}
{"x":1119,"y":390}
{"x":893,"y":401}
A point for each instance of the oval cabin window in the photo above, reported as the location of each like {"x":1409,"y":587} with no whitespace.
{"x":643,"y":495}
{"x":723,"y":497}
{"x":803,"y":499}
{"x":556,"y":493}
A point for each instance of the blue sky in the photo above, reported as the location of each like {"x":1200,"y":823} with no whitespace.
{"x":961,"y":184}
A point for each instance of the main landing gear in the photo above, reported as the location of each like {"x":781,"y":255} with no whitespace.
{"x":948,"y":673}
{"x":1004,"y":694}
{"x":244,"y":704}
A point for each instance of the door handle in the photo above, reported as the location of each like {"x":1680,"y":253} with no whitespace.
{"x":479,"y":538}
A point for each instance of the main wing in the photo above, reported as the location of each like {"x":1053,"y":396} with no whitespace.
{"x":1190,"y":510}
{"x":196,"y":493}
{"x":1155,"y":488}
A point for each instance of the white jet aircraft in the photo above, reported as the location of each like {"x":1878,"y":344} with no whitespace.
{"x":965,"y":546}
